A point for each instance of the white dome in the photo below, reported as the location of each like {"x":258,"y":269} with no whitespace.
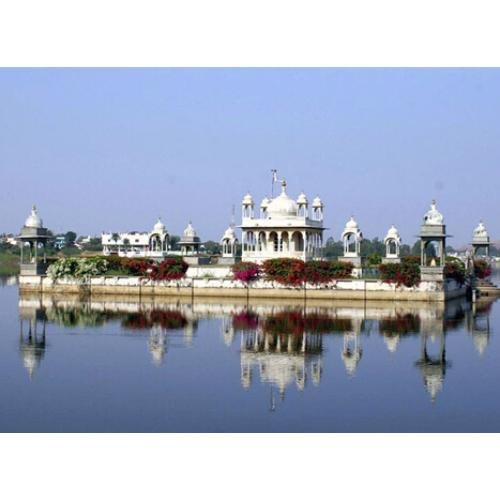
{"x":317,"y":203}
{"x":189,"y":232}
{"x":433,"y":217}
{"x":302,"y":199}
{"x":33,"y":219}
{"x":159,"y":227}
{"x":282,"y":205}
{"x":351,"y":223}
{"x":247,"y":199}
{"x":481,"y":230}
{"x":265,"y":203}
{"x":229,"y":234}
{"x":392,"y":233}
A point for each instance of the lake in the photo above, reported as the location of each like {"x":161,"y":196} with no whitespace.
{"x":115,"y":364}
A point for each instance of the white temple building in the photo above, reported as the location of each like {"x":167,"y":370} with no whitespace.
{"x":137,"y":244}
{"x":283,"y":228}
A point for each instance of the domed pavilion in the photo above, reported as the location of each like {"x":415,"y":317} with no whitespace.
{"x":284,"y":228}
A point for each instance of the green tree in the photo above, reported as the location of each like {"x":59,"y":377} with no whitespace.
{"x":70,"y":238}
{"x":212,"y":247}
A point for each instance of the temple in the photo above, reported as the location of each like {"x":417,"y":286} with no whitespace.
{"x":283,"y":228}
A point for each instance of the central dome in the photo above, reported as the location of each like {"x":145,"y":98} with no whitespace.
{"x":282,"y":205}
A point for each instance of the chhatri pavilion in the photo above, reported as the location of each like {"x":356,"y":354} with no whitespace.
{"x":283,"y":227}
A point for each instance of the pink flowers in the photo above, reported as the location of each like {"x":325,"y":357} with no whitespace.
{"x":246,"y":271}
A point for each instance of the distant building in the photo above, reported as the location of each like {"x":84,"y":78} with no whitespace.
{"x":59,"y":241}
{"x":137,"y":244}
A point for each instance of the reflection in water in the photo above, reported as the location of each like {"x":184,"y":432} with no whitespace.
{"x":281,"y":346}
{"x":32,"y":339}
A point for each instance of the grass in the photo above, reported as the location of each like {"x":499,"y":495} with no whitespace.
{"x":9,"y":264}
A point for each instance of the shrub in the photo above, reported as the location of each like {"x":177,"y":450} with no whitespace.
{"x":374,"y":259}
{"x":73,"y":267}
{"x":406,"y":272}
{"x":454,"y":269}
{"x":245,"y":271}
{"x":173,"y":268}
{"x":324,"y":271}
{"x":285,"y":271}
{"x":481,"y":268}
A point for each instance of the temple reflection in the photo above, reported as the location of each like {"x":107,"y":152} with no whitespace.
{"x":281,"y":345}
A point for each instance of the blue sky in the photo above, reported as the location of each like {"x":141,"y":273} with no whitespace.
{"x":112,"y":149}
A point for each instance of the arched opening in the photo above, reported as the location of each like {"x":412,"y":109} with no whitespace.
{"x":273,"y":238}
{"x":392,"y":247}
{"x":155,"y":243}
{"x":350,"y":243}
{"x":285,"y":243}
{"x":261,"y":242}
{"x":297,"y":242}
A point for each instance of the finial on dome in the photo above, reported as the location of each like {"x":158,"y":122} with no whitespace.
{"x":283,"y":185}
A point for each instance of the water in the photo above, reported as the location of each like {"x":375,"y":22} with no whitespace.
{"x":115,"y":364}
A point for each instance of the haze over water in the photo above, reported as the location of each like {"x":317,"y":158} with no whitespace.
{"x":118,"y":365}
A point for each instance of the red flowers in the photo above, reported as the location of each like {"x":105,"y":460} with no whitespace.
{"x":406,"y":273}
{"x":481,"y":268}
{"x":173,"y":268}
{"x":246,"y":271}
{"x":295,"y":272}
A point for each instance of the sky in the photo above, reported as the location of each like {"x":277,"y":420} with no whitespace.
{"x":112,"y":149}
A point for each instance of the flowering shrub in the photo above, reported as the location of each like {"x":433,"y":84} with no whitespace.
{"x":285,"y":271}
{"x":77,"y":267}
{"x":454,"y":269}
{"x":166,"y":320}
{"x":324,"y":271}
{"x":296,"y":323}
{"x":173,"y":268}
{"x":245,"y":271}
{"x":481,"y":268}
{"x":400,"y":325}
{"x":245,"y":321}
{"x":406,"y":273}
{"x":126,"y":266}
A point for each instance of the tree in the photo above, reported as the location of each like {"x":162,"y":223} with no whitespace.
{"x":94,"y":245}
{"x":70,"y":238}
{"x":333,"y":248}
{"x":212,"y":247}
{"x":174,"y":242}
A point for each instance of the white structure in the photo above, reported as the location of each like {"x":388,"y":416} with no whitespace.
{"x":190,"y":241}
{"x":190,"y":244}
{"x":480,"y":239}
{"x":392,"y":243}
{"x":352,"y":238}
{"x":284,"y":228}
{"x":229,"y":244}
{"x":137,"y":244}
{"x":433,"y":245}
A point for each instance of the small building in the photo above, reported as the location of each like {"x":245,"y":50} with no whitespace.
{"x":137,"y":244}
{"x":190,"y":245}
{"x":229,"y":246}
{"x":283,"y":228}
{"x":392,"y":243}
{"x":480,"y":240}
{"x":33,"y":242}
{"x":352,"y":238}
{"x":433,"y":245}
